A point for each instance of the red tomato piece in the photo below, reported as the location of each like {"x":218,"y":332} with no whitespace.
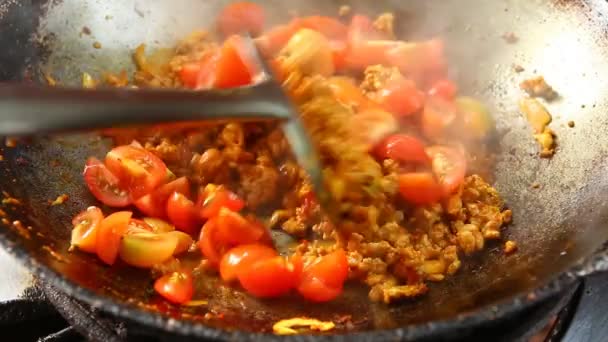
{"x":234,"y":229}
{"x":241,"y":17}
{"x":444,"y":89}
{"x":242,"y":257}
{"x":339,"y":50}
{"x":269,"y":277}
{"x":86,"y":225}
{"x":366,"y":45}
{"x":316,"y":290}
{"x":176,"y":287}
{"x":419,"y":188}
{"x":155,"y":203}
{"x":401,"y":97}
{"x":111,"y":230}
{"x":140,"y":170}
{"x":201,"y":74}
{"x":138,"y":225}
{"x":419,"y":60}
{"x":331,"y":269}
{"x":236,"y":65}
{"x":330,"y":27}
{"x":275,"y":39}
{"x":212,"y":250}
{"x":104,"y":185}
{"x":449,"y":166}
{"x":437,"y":117}
{"x":402,"y":148}
{"x":182,"y":213}
{"x":213,"y":198}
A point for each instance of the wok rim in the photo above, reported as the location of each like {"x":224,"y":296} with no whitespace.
{"x":120,"y":309}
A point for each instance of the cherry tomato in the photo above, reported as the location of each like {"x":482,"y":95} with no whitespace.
{"x":242,"y":257}
{"x":212,"y":198}
{"x":201,"y":74}
{"x":140,"y":170}
{"x":330,"y":27}
{"x":104,"y":185}
{"x":273,"y":40}
{"x":182,"y":213}
{"x":444,"y":89}
{"x":366,"y":45}
{"x":139,"y":225}
{"x":111,"y":230}
{"x":155,"y":203}
{"x":339,"y":50}
{"x":234,"y":229}
{"x":331,"y":269}
{"x":84,"y":233}
{"x":423,"y":61}
{"x":400,"y":97}
{"x":212,"y":250}
{"x":402,"y":148}
{"x":419,"y":188}
{"x":449,"y":166}
{"x":437,"y":117}
{"x":176,"y":287}
{"x":236,"y":66}
{"x":269,"y":277}
{"x":241,"y":17}
{"x":316,"y":290}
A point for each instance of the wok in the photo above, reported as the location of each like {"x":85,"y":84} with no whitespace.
{"x":560,"y":227}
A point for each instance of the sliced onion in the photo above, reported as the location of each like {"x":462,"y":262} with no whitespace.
{"x":147,"y":249}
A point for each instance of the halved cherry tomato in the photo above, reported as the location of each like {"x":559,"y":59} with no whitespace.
{"x":145,"y":249}
{"x":331,"y":269}
{"x":402,"y":148}
{"x":234,"y":229}
{"x":241,"y":17}
{"x":366,"y":45}
{"x":235,"y":66}
{"x":241,"y":257}
{"x":140,"y":225}
{"x":84,"y":233}
{"x":316,"y":290}
{"x":177,"y":287}
{"x":445,"y":89}
{"x":420,"y":188}
{"x":400,"y":97}
{"x":270,"y":277}
{"x":182,"y":213}
{"x":155,"y":203}
{"x":449,"y":166}
{"x":212,"y":250}
{"x":111,"y":230}
{"x":213,"y":198}
{"x":273,"y":40}
{"x":339,"y":51}
{"x":104,"y":185}
{"x":201,"y":74}
{"x":437,"y":117}
{"x":140,"y":170}
{"x":330,"y":27}
{"x":422,"y":61}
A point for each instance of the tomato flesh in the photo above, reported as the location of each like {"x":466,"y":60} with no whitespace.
{"x":234,"y":229}
{"x":201,"y":74}
{"x":316,"y":290}
{"x":176,"y":287}
{"x":111,"y":230}
{"x":104,"y":185}
{"x":269,"y":278}
{"x":401,"y":97}
{"x":420,"y":188}
{"x":444,"y":89}
{"x":402,"y":148}
{"x":182,"y":213}
{"x":86,"y":225}
{"x":155,"y":203}
{"x":235,"y":66}
{"x":140,"y":170}
{"x":437,"y":117}
{"x":324,"y":278}
{"x":213,"y":198}
{"x":241,"y":17}
{"x":207,"y":242}
{"x":449,"y":166}
{"x":241,"y":257}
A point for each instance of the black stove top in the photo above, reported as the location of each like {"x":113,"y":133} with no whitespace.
{"x":34,"y":311}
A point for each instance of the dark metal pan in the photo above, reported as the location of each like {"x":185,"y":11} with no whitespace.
{"x":560,"y":227}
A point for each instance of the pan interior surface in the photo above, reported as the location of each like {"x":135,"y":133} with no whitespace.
{"x":555,"y":225}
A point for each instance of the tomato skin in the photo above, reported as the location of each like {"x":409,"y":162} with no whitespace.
{"x":86,"y":224}
{"x":140,"y":170}
{"x":316,"y":290}
{"x":111,"y":230}
{"x":269,"y":278}
{"x":182,"y":213}
{"x":235,"y":66}
{"x":104,"y":185}
{"x":437,"y":117}
{"x":176,"y":287}
{"x":444,"y":89}
{"x":402,"y":148}
{"x":155,"y":203}
{"x":212,"y":198}
{"x":419,"y":188}
{"x":449,"y":166}
{"x":272,"y":41}
{"x":331,"y":269}
{"x":330,"y":27}
{"x":401,"y":97}
{"x":234,"y":229}
{"x":241,"y":17}
{"x":241,"y":257}
{"x":201,"y":74}
{"x":366,"y":45}
{"x":207,"y":242}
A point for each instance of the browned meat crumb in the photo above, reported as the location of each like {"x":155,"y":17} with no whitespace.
{"x":344,"y":10}
{"x":571,"y":124}
{"x":510,"y":247}
{"x":97,"y":45}
{"x":385,"y":23}
{"x":60,"y":199}
{"x":535,"y":185}
{"x":538,"y":87}
{"x":546,"y":140}
{"x":1,"y":157}
{"x":376,"y":76}
{"x":518,"y":68}
{"x":537,"y":115}
{"x":510,"y":37}
{"x":10,"y":200}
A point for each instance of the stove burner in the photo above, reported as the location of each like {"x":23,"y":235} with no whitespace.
{"x":45,"y":314}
